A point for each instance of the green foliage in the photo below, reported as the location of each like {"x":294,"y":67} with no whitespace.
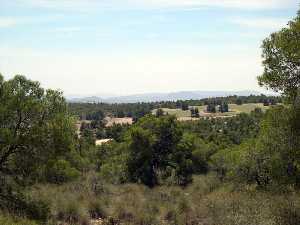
{"x":116,"y":132}
{"x":280,"y":144}
{"x":37,"y":138}
{"x":271,"y":159}
{"x":226,"y":132}
{"x":112,"y":162}
{"x":195,"y":112}
{"x":182,"y":160}
{"x":159,"y":112}
{"x":224,"y":107}
{"x":281,"y":53}
{"x":211,"y":108}
{"x":141,"y":159}
{"x":35,"y":127}
{"x":61,"y":171}
{"x":155,"y":151}
{"x":184,"y":106}
{"x":10,"y":220}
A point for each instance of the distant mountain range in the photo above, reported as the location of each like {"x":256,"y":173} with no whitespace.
{"x":155,"y":97}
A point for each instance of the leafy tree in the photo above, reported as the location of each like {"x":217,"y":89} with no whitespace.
{"x":195,"y":112}
{"x":35,"y":126}
{"x":266,"y":102}
{"x":239,"y":101}
{"x":116,"y":131}
{"x":281,"y":53}
{"x":159,"y":112}
{"x":211,"y":108}
{"x":224,"y":107}
{"x":184,"y":106}
{"x":155,"y":149}
{"x":35,"y":132}
{"x":141,"y":159}
{"x":182,"y":162}
{"x":112,"y":160}
{"x":88,"y":136}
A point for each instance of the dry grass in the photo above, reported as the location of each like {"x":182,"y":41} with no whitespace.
{"x":122,"y":121}
{"x":205,"y":202}
{"x":233,"y":111}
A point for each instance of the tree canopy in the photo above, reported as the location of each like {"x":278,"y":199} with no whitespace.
{"x":281,"y":60}
{"x":35,"y":127}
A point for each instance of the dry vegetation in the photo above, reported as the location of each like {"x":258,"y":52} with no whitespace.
{"x":234,"y":109}
{"x":122,"y":121}
{"x":205,"y":202}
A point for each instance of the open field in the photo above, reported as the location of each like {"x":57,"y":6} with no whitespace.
{"x":122,"y":121}
{"x":233,"y":110}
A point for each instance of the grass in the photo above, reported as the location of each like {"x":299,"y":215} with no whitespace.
{"x":205,"y":201}
{"x":177,"y":112}
{"x":247,"y":108}
{"x":233,"y":110}
{"x":6,"y":219}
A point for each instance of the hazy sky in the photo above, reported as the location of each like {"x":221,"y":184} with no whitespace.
{"x":136,"y":46}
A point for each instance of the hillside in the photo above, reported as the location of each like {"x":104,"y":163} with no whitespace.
{"x":157,"y":97}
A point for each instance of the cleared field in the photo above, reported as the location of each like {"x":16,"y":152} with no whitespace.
{"x":176,"y":112}
{"x":233,"y":110}
{"x":247,"y":108}
{"x":122,"y":121}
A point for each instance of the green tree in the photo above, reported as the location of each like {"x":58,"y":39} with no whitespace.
{"x":35,"y":132}
{"x":182,"y":162}
{"x":141,"y":166}
{"x":211,"y":108}
{"x":155,"y":149}
{"x":224,"y":107}
{"x":184,"y":106}
{"x":281,"y":60}
{"x":195,"y":112}
{"x":239,"y":101}
{"x":159,"y":112}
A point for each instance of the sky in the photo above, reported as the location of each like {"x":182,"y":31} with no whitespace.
{"x":122,"y":47}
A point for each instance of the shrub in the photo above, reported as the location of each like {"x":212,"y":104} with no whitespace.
{"x":96,"y":209}
{"x":70,"y":210}
{"x":61,"y":172}
{"x":287,"y":211}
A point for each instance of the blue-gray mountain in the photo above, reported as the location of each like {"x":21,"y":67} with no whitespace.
{"x":155,"y":97}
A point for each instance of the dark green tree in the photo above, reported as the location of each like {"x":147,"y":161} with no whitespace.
{"x":195,"y":112}
{"x":141,"y":166}
{"x":211,"y":108}
{"x":36,"y":133}
{"x":184,"y":106}
{"x":224,"y":107}
{"x":34,"y":125}
{"x":159,"y":112}
{"x":154,"y":147}
{"x":239,"y":101}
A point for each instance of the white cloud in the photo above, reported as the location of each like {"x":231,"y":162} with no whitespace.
{"x":67,"y":29}
{"x":6,"y":22}
{"x":261,"y":23}
{"x":87,"y":5}
{"x":247,"y":4}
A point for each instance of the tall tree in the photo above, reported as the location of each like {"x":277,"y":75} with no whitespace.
{"x":34,"y":127}
{"x":281,"y":54}
{"x":141,"y":157}
{"x":155,"y":149}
